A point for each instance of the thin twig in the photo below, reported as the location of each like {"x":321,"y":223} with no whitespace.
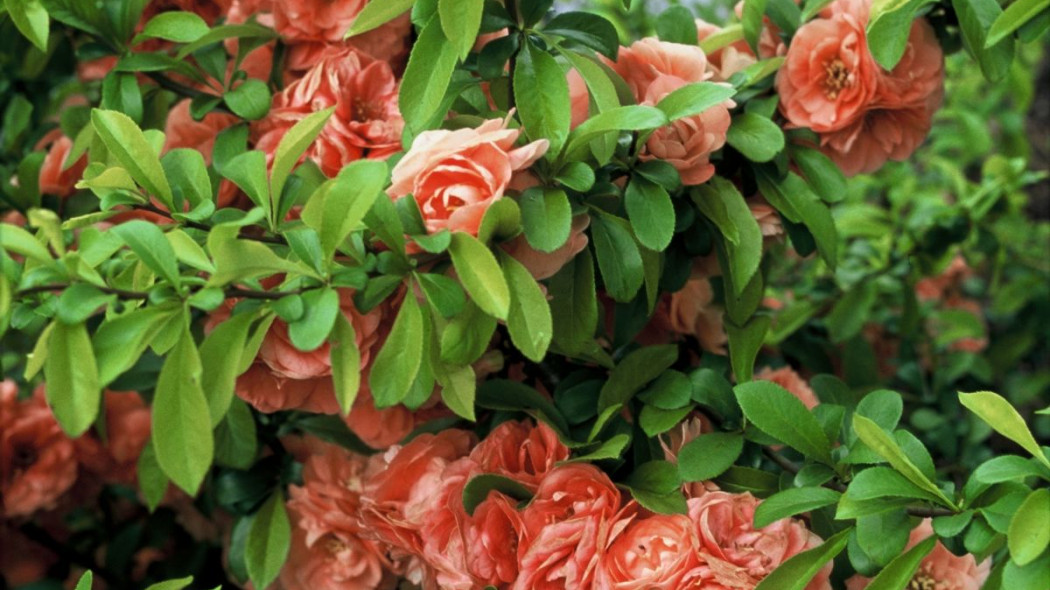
{"x":205,"y":227}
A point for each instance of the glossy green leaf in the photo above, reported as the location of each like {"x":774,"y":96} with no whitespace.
{"x":1029,"y":533}
{"x":546,"y":217}
{"x":479,"y":487}
{"x":460,"y":19}
{"x":529,"y":321}
{"x":755,"y":136}
{"x":292,"y":146}
{"x":541,"y":93}
{"x":182,"y":433}
{"x":79,"y":302}
{"x":31,"y":19}
{"x":249,"y":100}
{"x":269,"y":540}
{"x":346,"y":363}
{"x":1016,"y":14}
{"x":178,"y":26}
{"x":634,"y":371}
{"x":884,"y":445}
{"x":574,"y":307}
{"x":147,"y":241}
{"x":651,"y":212}
{"x":899,"y":572}
{"x":693,"y":99}
{"x":129,"y":145}
{"x":219,"y":368}
{"x":119,"y":342}
{"x":376,"y":14}
{"x":398,"y":362}
{"x":427,"y":76}
{"x":480,"y":274}
{"x":791,"y":502}
{"x":709,"y":455}
{"x":618,"y":256}
{"x":338,"y":207}
{"x":1000,"y":415}
{"x":70,"y":371}
{"x":321,"y":309}
{"x":781,"y":415}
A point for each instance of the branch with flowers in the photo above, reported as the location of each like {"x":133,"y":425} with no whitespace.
{"x":473,"y":294}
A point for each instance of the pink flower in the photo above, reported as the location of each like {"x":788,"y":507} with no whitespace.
{"x":54,"y":180}
{"x":691,"y":312}
{"x":522,"y":451}
{"x":396,"y":499}
{"x":941,"y":569}
{"x":287,"y":361}
{"x":768,"y":219}
{"x":209,"y":10}
{"x":330,"y":498}
{"x":37,"y":460}
{"x":455,"y":176}
{"x":650,"y":59}
{"x":365,"y":124}
{"x":736,"y":555}
{"x":127,"y":432}
{"x":378,"y":427}
{"x":579,"y":98}
{"x":829,"y":78}
{"x":787,"y":378}
{"x":312,"y":26}
{"x":493,"y":536}
{"x":268,"y":392}
{"x":335,"y":561}
{"x":565,"y":525}
{"x":653,"y":69}
{"x":658,"y":551}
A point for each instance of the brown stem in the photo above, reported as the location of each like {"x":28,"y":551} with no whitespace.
{"x":183,"y":90}
{"x":205,"y":227}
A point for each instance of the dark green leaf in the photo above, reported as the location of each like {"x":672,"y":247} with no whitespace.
{"x":782,"y":416}
{"x":709,"y":455}
{"x":618,"y":256}
{"x":249,"y":100}
{"x":651,"y":213}
{"x":541,"y":93}
{"x":546,"y":217}
{"x":398,"y":362}
{"x":634,"y":371}
{"x":755,"y":136}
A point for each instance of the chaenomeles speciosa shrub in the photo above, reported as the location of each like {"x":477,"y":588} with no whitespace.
{"x":349,"y":294}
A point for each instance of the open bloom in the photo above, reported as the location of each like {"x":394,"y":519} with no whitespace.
{"x":455,"y":176}
{"x":127,"y":432}
{"x":521,"y":451}
{"x":787,"y":378}
{"x":335,"y":561}
{"x":941,"y":569}
{"x":314,"y":29}
{"x":365,"y":124}
{"x":37,"y":460}
{"x":566,"y":523}
{"x":737,"y":555}
{"x":658,"y":551}
{"x":653,"y":69}
{"x":691,"y":311}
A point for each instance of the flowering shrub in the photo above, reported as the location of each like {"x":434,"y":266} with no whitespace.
{"x":349,"y":294}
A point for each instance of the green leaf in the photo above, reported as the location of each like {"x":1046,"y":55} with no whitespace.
{"x":346,"y":363}
{"x":618,"y":256}
{"x":79,"y":302}
{"x":243,"y":259}
{"x":796,"y":573}
{"x":129,"y":145}
{"x":782,"y":416}
{"x":587,"y":29}
{"x":886,"y":447}
{"x":899,"y":572}
{"x":541,"y":93}
{"x":119,"y":342}
{"x":609,"y":449}
{"x":546,"y":217}
{"x":1000,"y":415}
{"x":467,"y":336}
{"x":629,"y":118}
{"x":236,"y":438}
{"x":677,"y":25}
{"x":574,"y":307}
{"x":651,"y":213}
{"x":376,"y":14}
{"x":151,"y":478}
{"x":1034,"y":576}
{"x":1029,"y":533}
{"x":179,"y":26}
{"x":693,"y":99}
{"x":85,"y":581}
{"x":529,"y":320}
{"x":480,"y":274}
{"x":31,"y":19}
{"x":820,"y":172}
{"x":975,"y":19}
{"x":792,"y":501}
{"x":249,"y":100}
{"x":178,"y":584}
{"x":502,"y":394}
{"x":73,"y":389}
{"x":219,"y":368}
{"x":655,"y":421}
{"x":889,"y":27}
{"x":398,"y":363}
{"x":339,"y":205}
{"x":670,"y":391}
{"x":292,"y":146}
{"x":309,"y":332}
{"x":458,"y":388}
{"x":427,"y":75}
{"x":634,"y":371}
{"x":744,"y":343}
{"x":851,"y":312}
{"x":721,"y":202}
{"x":478,"y":488}
{"x":17,"y":240}
{"x":248,"y":171}
{"x":1015,"y":15}
{"x":656,"y":486}
{"x":1008,"y":468}
{"x":883,"y":536}
{"x":443,"y":293}
{"x":460,"y":19}
{"x":148,"y":242}
{"x":182,"y":433}
{"x":269,"y":540}
{"x":751,"y":20}
{"x":793,"y":198}
{"x":876,"y":483}
{"x":755,"y":136}
{"x":187,"y":173}
{"x":709,"y":455}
